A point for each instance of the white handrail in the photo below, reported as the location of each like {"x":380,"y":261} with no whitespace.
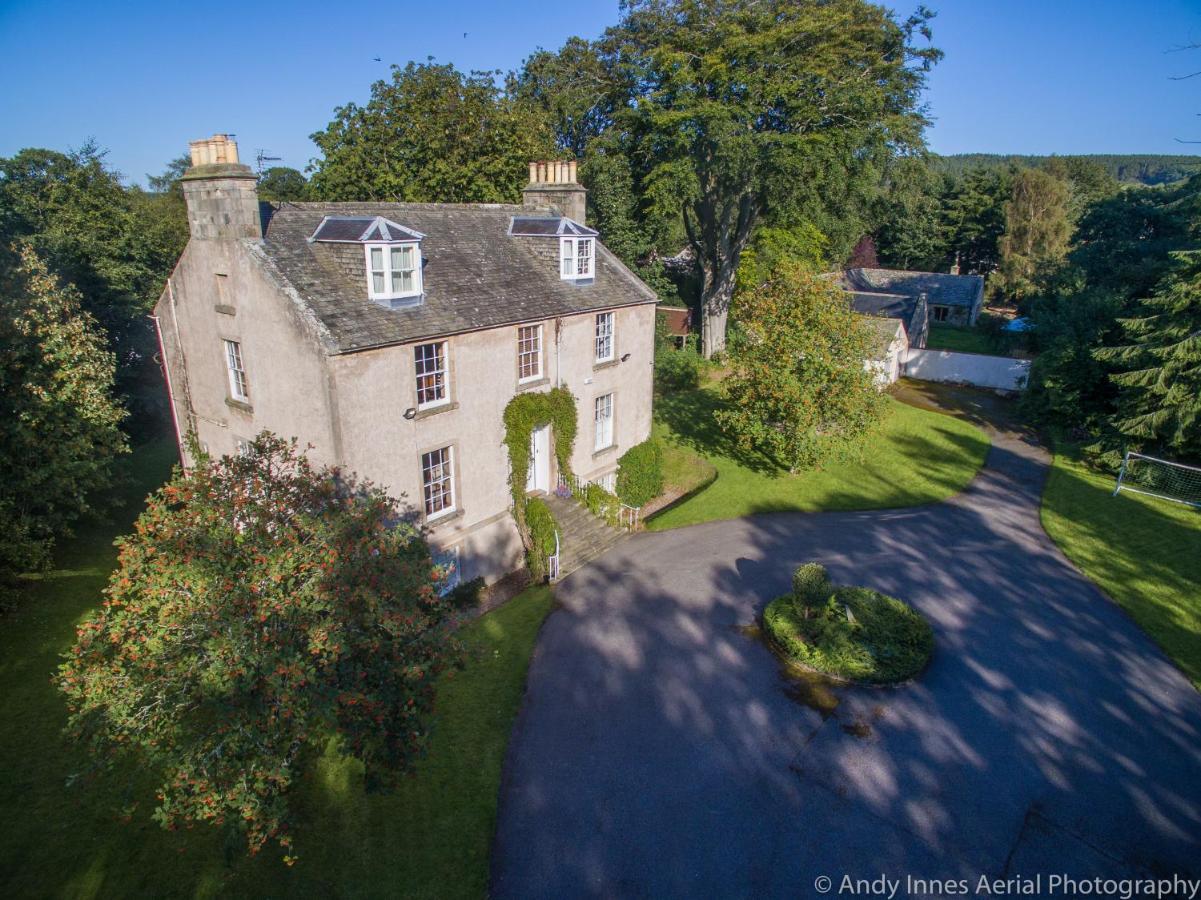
{"x":552,"y":563}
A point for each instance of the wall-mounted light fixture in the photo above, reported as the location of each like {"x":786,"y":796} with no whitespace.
{"x":411,"y":413}
{"x":625,"y":356}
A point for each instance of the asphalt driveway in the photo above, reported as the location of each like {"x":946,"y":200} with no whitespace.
{"x":661,"y":752}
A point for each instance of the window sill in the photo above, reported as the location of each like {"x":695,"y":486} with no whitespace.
{"x":225,"y":309}
{"x":533,"y":383}
{"x":606,"y":364}
{"x":434,"y":410}
{"x":240,"y":405}
{"x":440,"y":520}
{"x":604,"y":451}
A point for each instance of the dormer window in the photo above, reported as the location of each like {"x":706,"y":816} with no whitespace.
{"x":392,"y":252}
{"x":393,"y":271}
{"x":577,"y":257}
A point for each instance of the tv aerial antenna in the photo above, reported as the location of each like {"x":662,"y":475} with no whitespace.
{"x":261,"y":156}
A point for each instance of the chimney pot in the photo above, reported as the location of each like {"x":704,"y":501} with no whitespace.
{"x":221,"y":193}
{"x":553,"y":183}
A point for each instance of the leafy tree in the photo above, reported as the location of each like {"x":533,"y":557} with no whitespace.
{"x":574,"y":89}
{"x":431,"y":134}
{"x":1037,"y":229}
{"x":799,"y":389}
{"x":1159,"y":385}
{"x":115,"y":244}
{"x":1087,"y":180}
{"x":260,"y":607}
{"x":283,"y":183}
{"x":863,"y":256}
{"x":733,"y":105}
{"x":773,"y":248}
{"x":58,"y":421}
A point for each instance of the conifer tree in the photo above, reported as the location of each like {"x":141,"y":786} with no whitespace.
{"x":1159,"y":399}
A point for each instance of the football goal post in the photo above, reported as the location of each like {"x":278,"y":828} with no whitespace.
{"x":1159,"y":478}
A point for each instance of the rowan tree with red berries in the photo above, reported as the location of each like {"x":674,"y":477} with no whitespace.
{"x":260,"y":607}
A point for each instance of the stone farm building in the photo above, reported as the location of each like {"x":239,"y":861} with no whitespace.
{"x":391,"y":337}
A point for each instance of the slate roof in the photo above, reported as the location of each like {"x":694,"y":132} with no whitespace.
{"x":889,"y":306}
{"x":940,"y":288}
{"x":475,"y":274}
{"x":885,"y":331}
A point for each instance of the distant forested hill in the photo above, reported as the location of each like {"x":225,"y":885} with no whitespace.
{"x":1134,"y":168}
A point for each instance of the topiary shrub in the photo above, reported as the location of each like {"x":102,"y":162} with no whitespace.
{"x":541,"y":526}
{"x":811,"y":584}
{"x":640,"y":474}
{"x":851,"y":633}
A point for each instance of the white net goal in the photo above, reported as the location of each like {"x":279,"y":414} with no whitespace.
{"x":1159,"y":478}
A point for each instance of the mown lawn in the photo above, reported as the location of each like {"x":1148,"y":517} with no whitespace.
{"x":916,"y":456}
{"x":962,"y":340}
{"x":1143,"y":552}
{"x":93,"y":837}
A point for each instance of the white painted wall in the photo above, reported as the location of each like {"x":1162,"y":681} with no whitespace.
{"x":1000,"y":372}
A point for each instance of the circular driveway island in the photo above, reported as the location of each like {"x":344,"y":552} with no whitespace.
{"x":660,"y":751}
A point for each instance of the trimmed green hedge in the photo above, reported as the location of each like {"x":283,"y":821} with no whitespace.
{"x":853,"y":633}
{"x":640,"y":474}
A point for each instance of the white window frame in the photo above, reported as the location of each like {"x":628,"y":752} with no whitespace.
{"x":572,"y":265}
{"x":442,"y":367}
{"x":391,"y":290}
{"x":522,"y":354}
{"x":445,"y":482}
{"x":603,"y":438}
{"x":235,"y":368}
{"x":605,"y":327}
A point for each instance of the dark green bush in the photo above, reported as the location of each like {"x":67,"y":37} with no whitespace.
{"x":677,"y":369}
{"x":467,"y":593}
{"x":640,"y":474}
{"x":848,"y":632}
{"x":541,"y":526}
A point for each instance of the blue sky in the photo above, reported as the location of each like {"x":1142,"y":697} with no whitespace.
{"x":142,"y":78}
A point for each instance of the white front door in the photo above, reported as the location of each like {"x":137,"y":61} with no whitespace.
{"x":538,"y":477}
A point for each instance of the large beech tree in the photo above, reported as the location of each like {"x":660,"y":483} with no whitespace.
{"x":733,"y":104}
{"x":260,"y":607}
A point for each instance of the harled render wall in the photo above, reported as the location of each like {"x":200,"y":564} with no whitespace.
{"x":374,"y":388}
{"x":220,"y":291}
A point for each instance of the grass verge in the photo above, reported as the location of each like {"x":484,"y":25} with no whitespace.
{"x":65,"y":837}
{"x":915,"y":456}
{"x":960,"y":340}
{"x":1143,"y":552}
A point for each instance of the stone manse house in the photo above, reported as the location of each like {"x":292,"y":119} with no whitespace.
{"x":391,"y":336}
